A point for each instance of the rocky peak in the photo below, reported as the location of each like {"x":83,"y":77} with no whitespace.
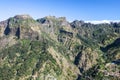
{"x":77,"y":23}
{"x":24,"y":16}
{"x":50,"y":17}
{"x":43,"y":20}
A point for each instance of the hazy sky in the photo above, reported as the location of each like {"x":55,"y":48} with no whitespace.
{"x":71,"y":9}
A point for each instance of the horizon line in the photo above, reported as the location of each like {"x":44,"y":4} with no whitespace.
{"x":86,"y":21}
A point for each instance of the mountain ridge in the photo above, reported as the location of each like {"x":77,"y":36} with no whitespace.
{"x":87,"y":21}
{"x":51,"y":48}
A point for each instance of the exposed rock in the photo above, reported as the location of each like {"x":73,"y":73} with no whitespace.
{"x":86,"y":59}
{"x":76,"y":24}
{"x":25,"y":16}
{"x":52,"y":48}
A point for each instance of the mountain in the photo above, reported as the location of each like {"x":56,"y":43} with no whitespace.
{"x":102,"y":21}
{"x":52,"y":48}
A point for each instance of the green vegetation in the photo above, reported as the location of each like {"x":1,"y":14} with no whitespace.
{"x":53,"y":48}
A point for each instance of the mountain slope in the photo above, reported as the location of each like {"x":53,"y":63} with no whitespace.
{"x":51,"y":48}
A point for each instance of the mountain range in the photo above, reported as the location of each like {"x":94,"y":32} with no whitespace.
{"x":102,"y":21}
{"x":51,"y":48}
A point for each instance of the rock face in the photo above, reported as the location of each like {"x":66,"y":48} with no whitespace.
{"x":25,"y":16}
{"x":86,"y":59}
{"x":21,"y":26}
{"x":51,"y":48}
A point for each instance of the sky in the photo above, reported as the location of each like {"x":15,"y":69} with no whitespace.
{"x":71,"y":9}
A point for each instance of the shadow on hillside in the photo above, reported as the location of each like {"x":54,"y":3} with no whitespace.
{"x":116,"y":43}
